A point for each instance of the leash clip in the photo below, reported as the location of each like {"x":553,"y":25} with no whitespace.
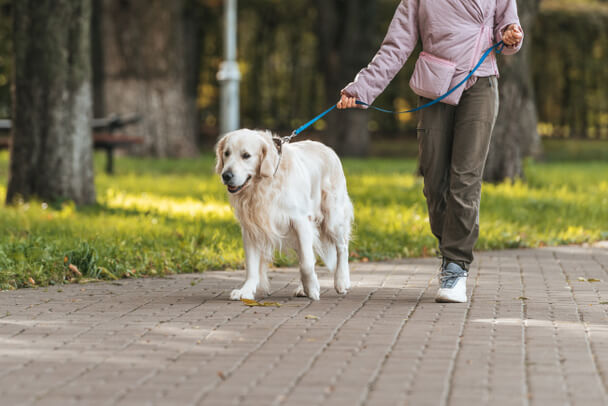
{"x":287,"y":139}
{"x":278,"y":142}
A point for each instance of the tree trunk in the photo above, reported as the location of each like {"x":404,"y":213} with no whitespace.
{"x":515,"y":135}
{"x":347,"y":44}
{"x":150,"y":66}
{"x":51,"y":153}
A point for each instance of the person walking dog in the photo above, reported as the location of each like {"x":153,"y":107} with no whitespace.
{"x":454,"y":135}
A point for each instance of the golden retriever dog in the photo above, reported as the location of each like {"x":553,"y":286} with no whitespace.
{"x":298,"y":200}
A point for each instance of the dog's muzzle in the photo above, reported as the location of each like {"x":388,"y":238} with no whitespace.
{"x":227,"y":178}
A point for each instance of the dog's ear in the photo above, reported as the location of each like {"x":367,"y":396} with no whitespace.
{"x":219,"y":154}
{"x":270,"y":159}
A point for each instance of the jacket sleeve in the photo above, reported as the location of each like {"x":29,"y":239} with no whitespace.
{"x":396,"y":48}
{"x":506,"y":14}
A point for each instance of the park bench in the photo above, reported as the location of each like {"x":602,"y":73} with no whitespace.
{"x":105,"y":135}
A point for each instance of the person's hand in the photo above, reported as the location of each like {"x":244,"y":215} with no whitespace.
{"x":512,"y":35}
{"x":347,"y":102}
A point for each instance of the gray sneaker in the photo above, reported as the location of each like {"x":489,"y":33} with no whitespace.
{"x":452,"y":284}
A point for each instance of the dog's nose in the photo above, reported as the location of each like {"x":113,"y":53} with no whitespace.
{"x":227,"y":176}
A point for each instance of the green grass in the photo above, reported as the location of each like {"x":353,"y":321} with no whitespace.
{"x":572,"y":150}
{"x":158,"y":217}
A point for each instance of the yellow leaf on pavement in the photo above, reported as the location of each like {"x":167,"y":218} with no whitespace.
{"x":252,"y":303}
{"x":271,"y":304}
{"x":249,"y":302}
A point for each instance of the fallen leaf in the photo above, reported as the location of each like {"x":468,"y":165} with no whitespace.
{"x":271,"y":304}
{"x":74,"y":269}
{"x":221,"y":375}
{"x":590,"y":280}
{"x":311,"y":317}
{"x":253,"y":303}
{"x":108,"y":274}
{"x":522,"y":298}
{"x":250,"y":303}
{"x":603,"y":302}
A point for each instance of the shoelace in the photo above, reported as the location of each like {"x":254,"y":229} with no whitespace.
{"x":450,"y":275}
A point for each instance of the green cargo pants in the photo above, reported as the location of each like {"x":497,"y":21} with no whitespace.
{"x":453,"y":147}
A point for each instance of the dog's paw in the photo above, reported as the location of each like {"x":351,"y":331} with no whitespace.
{"x":299,"y":292}
{"x":342,"y":285}
{"x":342,"y":281}
{"x":239,"y":294}
{"x":313,"y":290}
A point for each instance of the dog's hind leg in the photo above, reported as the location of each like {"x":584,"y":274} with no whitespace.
{"x":342,"y":237}
{"x":253,"y":258}
{"x":342,"y":275}
{"x":264,"y":286}
{"x":299,"y":292}
{"x":327,"y":251}
{"x":310,"y":283}
{"x":338,"y":217}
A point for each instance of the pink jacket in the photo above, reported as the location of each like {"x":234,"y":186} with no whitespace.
{"x":454,"y":35}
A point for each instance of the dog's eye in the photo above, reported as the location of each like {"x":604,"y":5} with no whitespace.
{"x":246,"y":155}
{"x":227,"y":154}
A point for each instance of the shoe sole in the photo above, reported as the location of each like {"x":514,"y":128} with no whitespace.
{"x":447,"y":299}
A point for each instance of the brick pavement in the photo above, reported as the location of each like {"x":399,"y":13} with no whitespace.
{"x":533,"y":333}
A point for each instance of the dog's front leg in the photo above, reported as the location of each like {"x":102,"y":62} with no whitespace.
{"x":310,"y":283}
{"x":252,"y":263}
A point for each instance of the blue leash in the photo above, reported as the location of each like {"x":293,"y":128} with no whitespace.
{"x":497,"y":47}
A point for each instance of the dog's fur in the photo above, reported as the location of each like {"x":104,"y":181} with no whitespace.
{"x":304,"y":205}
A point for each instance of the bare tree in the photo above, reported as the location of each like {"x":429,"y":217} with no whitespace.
{"x":147,"y":52}
{"x":51,"y":153}
{"x":515,"y":135}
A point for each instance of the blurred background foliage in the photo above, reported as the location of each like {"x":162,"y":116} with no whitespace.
{"x":283,"y":77}
{"x":5,"y":58}
{"x":164,"y":216}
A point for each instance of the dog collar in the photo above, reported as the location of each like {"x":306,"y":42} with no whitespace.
{"x":278,"y":142}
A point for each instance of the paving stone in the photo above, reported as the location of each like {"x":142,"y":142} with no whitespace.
{"x":532,"y":333}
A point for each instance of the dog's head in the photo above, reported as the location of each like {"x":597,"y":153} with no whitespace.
{"x":243,"y":156}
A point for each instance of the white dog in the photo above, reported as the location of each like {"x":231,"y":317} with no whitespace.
{"x":297,"y":200}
